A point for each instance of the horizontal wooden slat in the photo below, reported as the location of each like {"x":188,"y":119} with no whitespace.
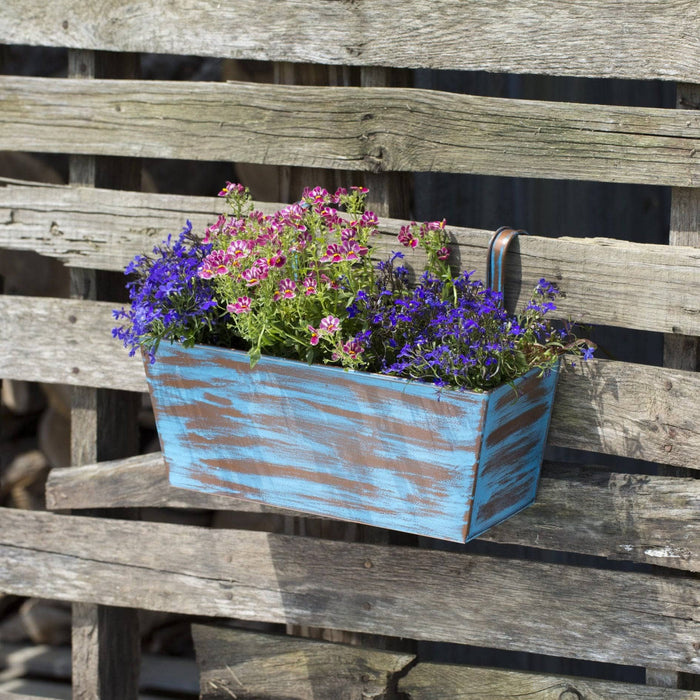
{"x":65,"y":341}
{"x":607,"y":282}
{"x":502,"y":603}
{"x":635,"y":39}
{"x":255,"y":666}
{"x":612,"y":407}
{"x":440,"y":681}
{"x":363,"y":129}
{"x":653,"y":520}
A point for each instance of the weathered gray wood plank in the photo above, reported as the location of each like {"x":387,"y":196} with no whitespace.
{"x":612,"y":407}
{"x":406,"y":592}
{"x":637,"y":39}
{"x":369,"y":129}
{"x":646,"y":519}
{"x":609,"y":282}
{"x":441,"y":681}
{"x":135,"y":482}
{"x":255,"y":666}
{"x":629,"y":410}
{"x":65,"y":341}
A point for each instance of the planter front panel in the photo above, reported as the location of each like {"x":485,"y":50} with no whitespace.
{"x":349,"y":445}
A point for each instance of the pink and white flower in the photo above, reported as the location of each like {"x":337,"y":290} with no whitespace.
{"x":329,"y":325}
{"x":406,"y":236}
{"x":287,"y":288}
{"x":334,"y":254}
{"x":310,"y":285}
{"x":352,"y":250}
{"x":240,"y":306}
{"x":352,"y":348}
{"x":230,"y":188}
{"x":254,"y":275}
{"x":214,"y":265}
{"x":238,"y":249}
{"x":314,"y":336}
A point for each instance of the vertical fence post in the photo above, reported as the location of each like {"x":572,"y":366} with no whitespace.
{"x":681,"y":352}
{"x":389,"y":193}
{"x":105,"y":640}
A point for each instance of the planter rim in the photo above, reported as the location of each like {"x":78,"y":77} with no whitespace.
{"x":274,"y":360}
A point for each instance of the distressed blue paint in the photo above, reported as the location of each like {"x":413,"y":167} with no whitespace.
{"x":356,"y":446}
{"x":498,"y":472}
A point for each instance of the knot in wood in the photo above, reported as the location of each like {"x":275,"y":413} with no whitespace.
{"x":570,"y":694}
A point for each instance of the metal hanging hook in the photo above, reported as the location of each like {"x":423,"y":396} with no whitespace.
{"x":495,"y":267}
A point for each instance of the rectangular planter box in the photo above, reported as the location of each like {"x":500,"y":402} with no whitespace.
{"x":356,"y":446}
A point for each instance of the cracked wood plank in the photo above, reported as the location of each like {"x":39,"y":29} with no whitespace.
{"x":645,"y":519}
{"x":593,"y":39}
{"x":502,"y":603}
{"x":257,"y":666}
{"x":607,"y":282}
{"x":370,"y":129}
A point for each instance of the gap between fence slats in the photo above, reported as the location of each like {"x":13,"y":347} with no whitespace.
{"x":438,"y":681}
{"x":612,"y":407}
{"x":369,"y":129}
{"x":635,"y":39}
{"x":607,"y":282}
{"x":645,"y":519}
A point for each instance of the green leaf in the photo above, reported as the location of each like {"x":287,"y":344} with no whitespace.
{"x":254,"y":356}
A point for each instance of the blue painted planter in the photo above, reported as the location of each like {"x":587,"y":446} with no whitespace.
{"x":355,"y":446}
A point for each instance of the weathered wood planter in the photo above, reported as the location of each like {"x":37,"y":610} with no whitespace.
{"x":350,"y":445}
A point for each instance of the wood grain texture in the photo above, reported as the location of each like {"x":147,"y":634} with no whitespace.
{"x":611,"y":407}
{"x":65,"y":341}
{"x":358,"y":446}
{"x":349,"y":128}
{"x":608,"y":282}
{"x":645,"y":519}
{"x":441,"y":681}
{"x":628,"y":410}
{"x":252,"y":666}
{"x":404,"y":592}
{"x":595,"y":39}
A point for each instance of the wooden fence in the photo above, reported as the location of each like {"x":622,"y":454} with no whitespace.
{"x":631,"y":598}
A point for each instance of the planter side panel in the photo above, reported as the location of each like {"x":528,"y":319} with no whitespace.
{"x":515,"y":436}
{"x":355,"y":446}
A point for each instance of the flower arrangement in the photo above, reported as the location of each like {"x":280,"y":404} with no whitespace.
{"x":301,"y":284}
